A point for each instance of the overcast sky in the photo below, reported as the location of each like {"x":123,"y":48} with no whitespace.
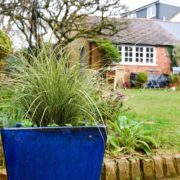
{"x":133,"y":4}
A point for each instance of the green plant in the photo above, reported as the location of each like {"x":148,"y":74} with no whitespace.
{"x":171,"y":54}
{"x":53,"y":90}
{"x":5,"y":45}
{"x":174,"y":78}
{"x":9,"y":113}
{"x":176,"y":54}
{"x":126,"y":135}
{"x":110,"y":105}
{"x":141,"y":79}
{"x":109,"y":52}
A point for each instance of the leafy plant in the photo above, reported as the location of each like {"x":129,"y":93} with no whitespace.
{"x":126,"y":135}
{"x":10,"y":114}
{"x":51,"y":89}
{"x":141,"y":79}
{"x":176,"y":54}
{"x":174,"y":78}
{"x":110,"y":105}
{"x":172,"y":56}
{"x":5,"y":45}
{"x":109,"y":52}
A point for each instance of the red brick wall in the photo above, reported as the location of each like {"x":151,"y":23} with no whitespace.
{"x":96,"y":57}
{"x":163,"y":64}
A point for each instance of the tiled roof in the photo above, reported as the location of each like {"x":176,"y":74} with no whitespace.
{"x":148,"y":31}
{"x":144,"y":31}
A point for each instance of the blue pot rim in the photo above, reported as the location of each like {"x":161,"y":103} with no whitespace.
{"x":55,"y":128}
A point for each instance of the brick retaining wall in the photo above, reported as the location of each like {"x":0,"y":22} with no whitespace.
{"x":156,"y":167}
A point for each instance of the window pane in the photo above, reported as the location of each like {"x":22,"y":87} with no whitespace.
{"x":119,"y":48}
{"x":126,"y":59}
{"x":130,"y":48}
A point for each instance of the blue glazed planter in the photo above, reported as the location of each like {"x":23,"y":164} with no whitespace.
{"x":63,"y":153}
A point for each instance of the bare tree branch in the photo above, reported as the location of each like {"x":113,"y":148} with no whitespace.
{"x":35,"y":18}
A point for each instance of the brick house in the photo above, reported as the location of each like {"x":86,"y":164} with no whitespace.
{"x":143,"y":46}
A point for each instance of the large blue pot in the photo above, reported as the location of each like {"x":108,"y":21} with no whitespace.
{"x":63,"y":153}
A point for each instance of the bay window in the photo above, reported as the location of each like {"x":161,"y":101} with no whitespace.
{"x":137,"y":55}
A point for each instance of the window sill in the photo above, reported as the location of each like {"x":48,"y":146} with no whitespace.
{"x":136,"y":64}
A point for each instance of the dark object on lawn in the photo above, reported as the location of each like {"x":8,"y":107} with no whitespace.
{"x":154,"y":80}
{"x":54,"y":153}
{"x":157,"y":81}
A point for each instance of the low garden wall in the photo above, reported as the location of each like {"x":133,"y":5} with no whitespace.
{"x":155,"y":167}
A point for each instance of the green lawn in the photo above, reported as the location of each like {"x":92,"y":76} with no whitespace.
{"x":160,"y":111}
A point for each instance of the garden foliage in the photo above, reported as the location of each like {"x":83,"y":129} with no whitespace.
{"x":53,"y":90}
{"x":176,"y":54}
{"x":141,"y":79}
{"x":5,"y":45}
{"x":126,"y":135}
{"x":108,"y":51}
{"x":174,"y":78}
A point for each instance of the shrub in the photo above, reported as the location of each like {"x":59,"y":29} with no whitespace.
{"x":5,"y":45}
{"x":108,"y":51}
{"x":141,"y":79}
{"x":174,"y":78}
{"x":54,"y":92}
{"x":126,"y":135}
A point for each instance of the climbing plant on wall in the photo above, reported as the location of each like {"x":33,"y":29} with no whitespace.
{"x":176,"y":53}
{"x":108,"y":50}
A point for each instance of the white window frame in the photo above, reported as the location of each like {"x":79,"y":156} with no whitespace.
{"x":145,"y":58}
{"x":151,"y":11}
